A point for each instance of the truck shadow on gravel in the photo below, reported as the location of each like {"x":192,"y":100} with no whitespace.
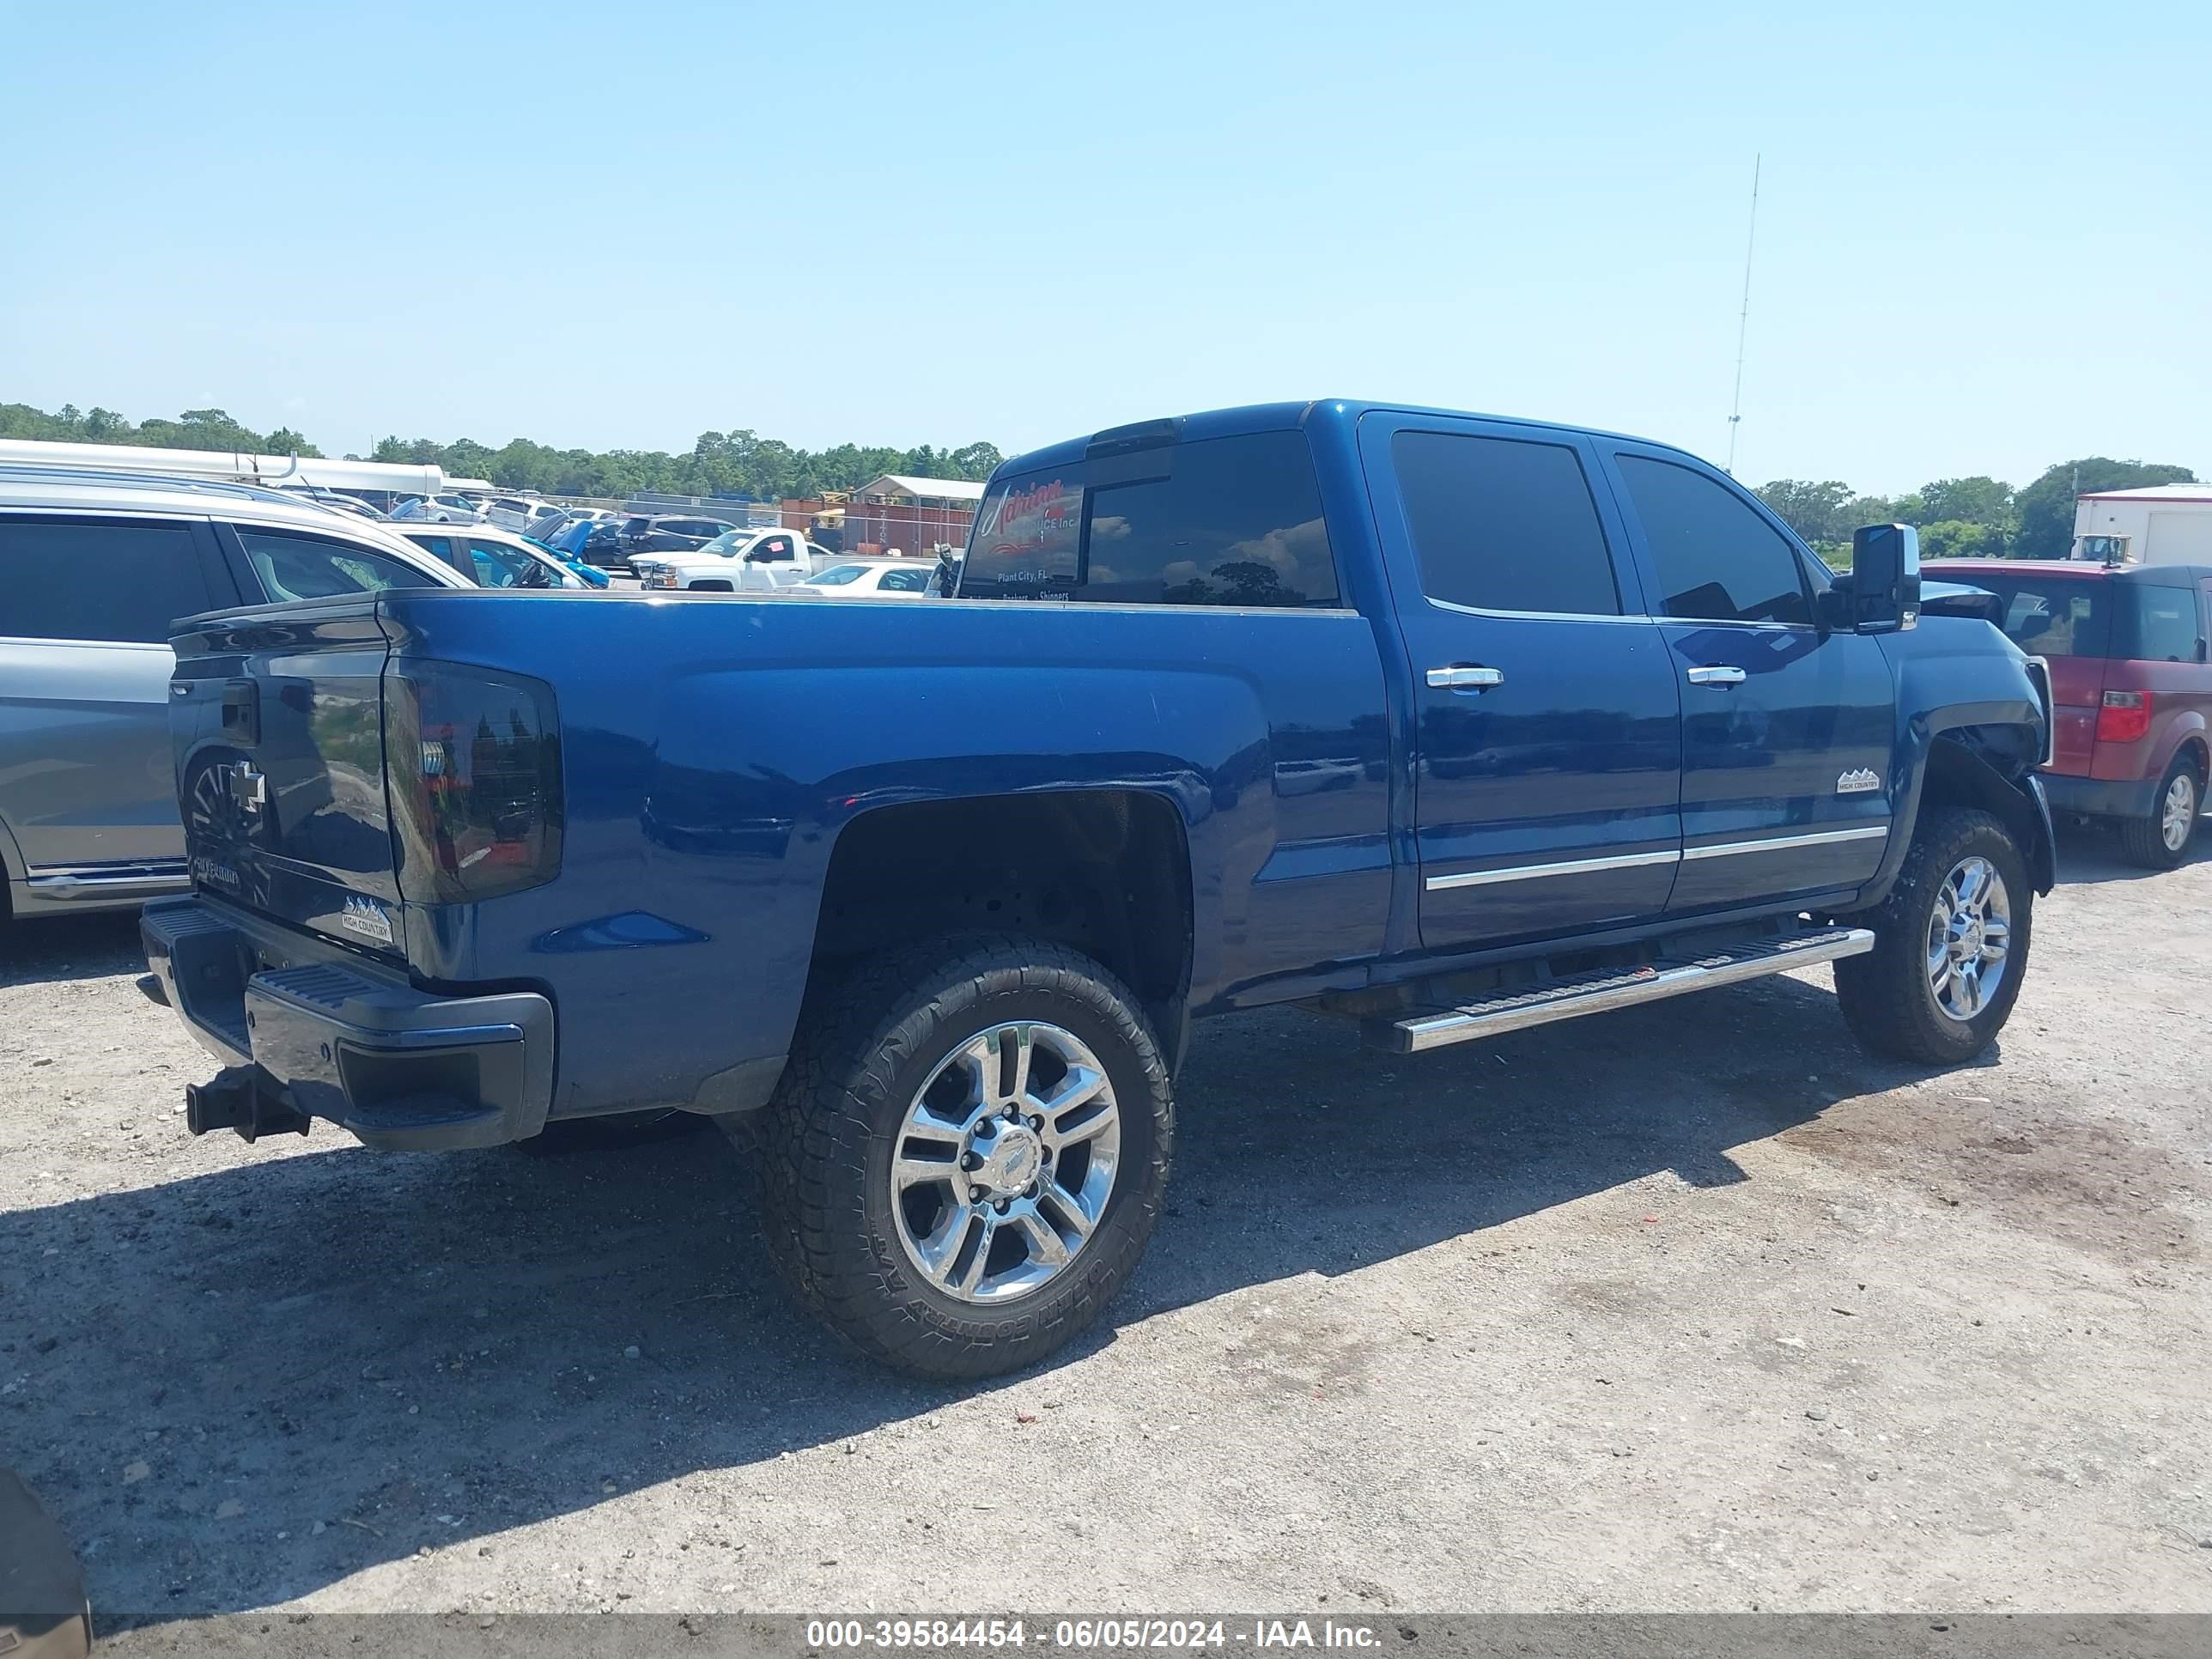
{"x":2089,"y":855}
{"x":71,"y":948}
{"x":238,"y":1388}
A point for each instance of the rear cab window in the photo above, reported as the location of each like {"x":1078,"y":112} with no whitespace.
{"x":1213,"y":521}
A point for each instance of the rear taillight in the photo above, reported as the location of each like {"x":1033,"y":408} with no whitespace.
{"x":473,"y":761}
{"x":2124,"y":717}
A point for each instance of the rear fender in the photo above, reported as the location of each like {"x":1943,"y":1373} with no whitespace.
{"x":2186,"y":728}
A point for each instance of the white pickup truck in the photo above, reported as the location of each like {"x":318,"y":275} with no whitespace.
{"x":750,"y":560}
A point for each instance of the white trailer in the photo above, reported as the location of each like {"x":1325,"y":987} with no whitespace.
{"x":277,"y":472}
{"x":2164,"y":524}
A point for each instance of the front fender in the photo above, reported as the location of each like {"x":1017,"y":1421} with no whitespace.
{"x":1969,"y":732}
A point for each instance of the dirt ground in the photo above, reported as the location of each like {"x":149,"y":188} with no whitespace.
{"x":1692,"y":1307}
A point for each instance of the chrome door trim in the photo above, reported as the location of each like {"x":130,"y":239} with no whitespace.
{"x":1634,"y":860}
{"x":1782,"y":843}
{"x":1530,"y":872}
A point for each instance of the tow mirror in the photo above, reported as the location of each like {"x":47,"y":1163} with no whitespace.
{"x":1885,"y":585}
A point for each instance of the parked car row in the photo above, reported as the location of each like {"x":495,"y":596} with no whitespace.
{"x":491,"y":558}
{"x":672,"y":552}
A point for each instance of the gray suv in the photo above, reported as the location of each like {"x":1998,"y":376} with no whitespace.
{"x":93,"y":568}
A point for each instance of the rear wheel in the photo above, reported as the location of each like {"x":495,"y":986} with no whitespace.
{"x":1950,"y":944}
{"x":965,"y":1157}
{"x":2160,"y":840}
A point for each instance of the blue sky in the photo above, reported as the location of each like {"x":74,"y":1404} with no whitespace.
{"x":1984,"y":241}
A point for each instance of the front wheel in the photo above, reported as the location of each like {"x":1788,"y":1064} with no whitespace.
{"x":966,"y":1154}
{"x":1951,"y":944}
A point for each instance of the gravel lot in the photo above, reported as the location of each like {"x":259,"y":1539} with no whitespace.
{"x":1683,"y":1308}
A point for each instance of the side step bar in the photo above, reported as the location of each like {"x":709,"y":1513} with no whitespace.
{"x":1596,"y":993}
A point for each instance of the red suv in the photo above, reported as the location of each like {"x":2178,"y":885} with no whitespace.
{"x":2127,"y":649}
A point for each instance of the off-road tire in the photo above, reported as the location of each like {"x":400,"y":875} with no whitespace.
{"x":822,"y":1149}
{"x":1885,"y":994}
{"x":2143,"y":840}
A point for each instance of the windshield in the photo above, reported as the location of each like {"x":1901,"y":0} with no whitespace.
{"x":726,"y":544}
{"x":838,"y":576}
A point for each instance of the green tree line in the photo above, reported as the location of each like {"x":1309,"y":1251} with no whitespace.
{"x":739,"y":463}
{"x":196,"y":428}
{"x":1963,"y":518}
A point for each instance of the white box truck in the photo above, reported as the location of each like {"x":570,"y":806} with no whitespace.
{"x":2164,"y":524}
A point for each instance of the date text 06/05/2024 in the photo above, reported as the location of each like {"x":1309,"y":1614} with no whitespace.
{"x":1084,"y":1634}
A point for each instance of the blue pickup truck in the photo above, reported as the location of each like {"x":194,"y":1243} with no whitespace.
{"x":1447,"y":725}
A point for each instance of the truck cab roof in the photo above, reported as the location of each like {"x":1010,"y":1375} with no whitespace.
{"x":1267,"y":418}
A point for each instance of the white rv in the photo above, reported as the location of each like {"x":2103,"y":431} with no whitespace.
{"x":2164,"y":524}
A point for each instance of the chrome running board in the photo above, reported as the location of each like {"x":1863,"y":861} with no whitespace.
{"x":1598,"y":993}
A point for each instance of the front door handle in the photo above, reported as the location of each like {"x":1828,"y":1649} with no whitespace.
{"x":1716,"y":674}
{"x":1465,"y":676}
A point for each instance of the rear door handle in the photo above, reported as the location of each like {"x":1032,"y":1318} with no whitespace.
{"x":1465,"y":676}
{"x":1716,"y":674}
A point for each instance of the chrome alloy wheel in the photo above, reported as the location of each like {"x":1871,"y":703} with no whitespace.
{"x":2178,"y":813}
{"x":1004,"y":1161}
{"x":1969,"y":937}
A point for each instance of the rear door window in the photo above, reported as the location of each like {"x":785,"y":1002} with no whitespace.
{"x":1500,"y":524}
{"x":1220,"y":521}
{"x":107,"y":582}
{"x":2156,"y":625}
{"x":308,"y":568}
{"x":1718,"y":560}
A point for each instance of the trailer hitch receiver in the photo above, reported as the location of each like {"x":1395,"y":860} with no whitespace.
{"x":237,"y":1097}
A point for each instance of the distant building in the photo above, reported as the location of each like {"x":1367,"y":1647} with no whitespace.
{"x":912,"y":514}
{"x":2160,"y":524}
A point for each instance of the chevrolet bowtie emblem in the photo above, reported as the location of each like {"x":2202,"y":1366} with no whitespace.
{"x":248,"y":788}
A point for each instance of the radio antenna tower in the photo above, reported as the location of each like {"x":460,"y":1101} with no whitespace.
{"x":1743,"y":320}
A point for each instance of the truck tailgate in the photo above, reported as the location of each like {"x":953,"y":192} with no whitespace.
{"x":276,"y":716}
